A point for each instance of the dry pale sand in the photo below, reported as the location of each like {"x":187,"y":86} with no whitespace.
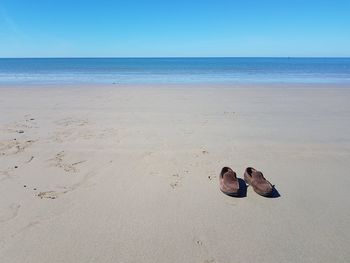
{"x":129,"y":174}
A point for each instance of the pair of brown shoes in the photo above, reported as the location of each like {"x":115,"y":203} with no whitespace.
{"x":229,"y":183}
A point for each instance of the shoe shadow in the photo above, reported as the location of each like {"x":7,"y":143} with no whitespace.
{"x":274,"y":194}
{"x":242,"y":188}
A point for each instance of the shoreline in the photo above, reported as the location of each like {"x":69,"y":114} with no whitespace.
{"x":176,"y":85}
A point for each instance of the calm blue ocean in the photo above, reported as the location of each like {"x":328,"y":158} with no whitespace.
{"x":175,"y":70}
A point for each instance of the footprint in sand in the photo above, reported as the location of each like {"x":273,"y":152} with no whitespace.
{"x":9,"y":213}
{"x":49,"y":194}
{"x":20,"y":126}
{"x":59,"y":161}
{"x":176,"y":180}
{"x":62,"y":136}
{"x":15,"y":146}
{"x":72,"y":134}
{"x":72,"y":122}
{"x":176,"y":183}
{"x":73,"y":129}
{"x":66,"y":189}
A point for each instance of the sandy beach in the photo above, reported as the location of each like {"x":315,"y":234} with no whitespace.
{"x":122,"y":173}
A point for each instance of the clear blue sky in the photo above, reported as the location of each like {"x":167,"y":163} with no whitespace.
{"x":152,"y":28}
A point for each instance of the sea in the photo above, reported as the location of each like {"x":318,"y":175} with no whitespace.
{"x":174,"y":70}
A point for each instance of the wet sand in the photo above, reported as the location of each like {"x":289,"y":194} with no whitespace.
{"x":130,"y":173}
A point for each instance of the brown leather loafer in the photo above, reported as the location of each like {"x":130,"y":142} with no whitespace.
{"x":228,"y":182}
{"x":257,"y":180}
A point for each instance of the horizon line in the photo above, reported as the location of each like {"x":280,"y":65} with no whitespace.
{"x":167,"y":57}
